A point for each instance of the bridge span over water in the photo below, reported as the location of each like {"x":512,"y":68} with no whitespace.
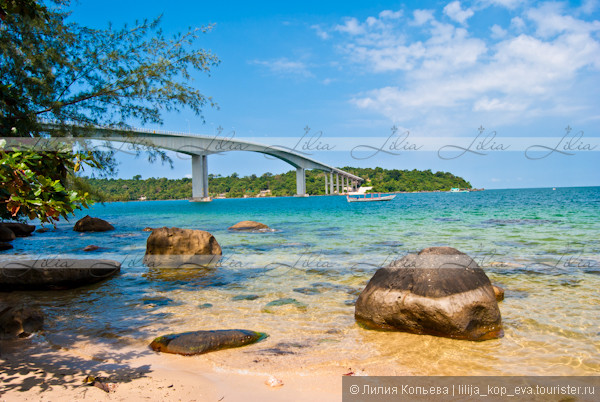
{"x":199,"y":147}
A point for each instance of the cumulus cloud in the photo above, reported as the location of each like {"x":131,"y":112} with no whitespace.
{"x":320,"y":32}
{"x":420,"y":17}
{"x":446,"y":70}
{"x":588,"y":6}
{"x":389,"y":14}
{"x":550,"y":21}
{"x":498,"y":32}
{"x":351,"y":26}
{"x":455,"y":12}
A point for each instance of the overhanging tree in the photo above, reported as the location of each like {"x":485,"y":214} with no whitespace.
{"x":79,"y":77}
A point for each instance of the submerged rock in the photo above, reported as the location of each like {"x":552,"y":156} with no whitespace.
{"x":19,"y":229}
{"x":440,"y":291}
{"x":19,"y":321}
{"x":250,"y":226}
{"x":89,"y":224}
{"x":6,"y":234}
{"x":245,"y":297}
{"x":173,"y":247}
{"x":200,"y":342}
{"x":284,"y":306}
{"x":308,"y":291}
{"x":5,"y":246}
{"x":91,"y":247}
{"x":54,"y":273}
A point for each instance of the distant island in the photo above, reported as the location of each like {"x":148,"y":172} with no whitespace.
{"x":268,"y":184}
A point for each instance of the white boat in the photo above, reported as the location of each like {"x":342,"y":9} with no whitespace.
{"x":373,"y":197}
{"x":458,"y":190}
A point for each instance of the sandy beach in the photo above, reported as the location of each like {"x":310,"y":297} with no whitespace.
{"x":35,"y":370}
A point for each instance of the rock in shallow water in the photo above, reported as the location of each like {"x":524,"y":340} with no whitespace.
{"x":54,"y":273}
{"x":440,"y":291}
{"x":200,"y":342}
{"x":284,"y":306}
{"x":245,"y":297}
{"x":173,"y":247}
{"x":19,"y":229}
{"x":6,"y":234}
{"x":498,"y":292}
{"x":19,"y":321}
{"x":250,"y":226}
{"x":89,"y":224}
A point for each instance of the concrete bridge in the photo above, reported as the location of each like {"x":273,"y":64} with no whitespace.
{"x":200,"y":146}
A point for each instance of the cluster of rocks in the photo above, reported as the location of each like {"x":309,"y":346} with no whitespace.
{"x":9,"y":231}
{"x":45,"y":274}
{"x":175,"y":247}
{"x":439,"y":291}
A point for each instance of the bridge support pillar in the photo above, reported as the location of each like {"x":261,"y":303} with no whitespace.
{"x":200,"y":178}
{"x":331,"y":183}
{"x":300,"y":182}
{"x":326,"y":186}
{"x":337,"y":183}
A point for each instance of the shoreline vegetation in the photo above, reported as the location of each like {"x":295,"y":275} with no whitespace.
{"x":271,"y":185}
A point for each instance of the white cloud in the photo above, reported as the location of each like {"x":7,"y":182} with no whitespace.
{"x":498,"y":32}
{"x":455,"y":12}
{"x":517,"y":23}
{"x":320,"y":32}
{"x":588,"y":6}
{"x":491,"y":105}
{"x":283,"y":66}
{"x":351,"y":26}
{"x":550,"y":21}
{"x":389,"y":14}
{"x":446,"y":72}
{"x":422,"y":16}
{"x":510,"y":4}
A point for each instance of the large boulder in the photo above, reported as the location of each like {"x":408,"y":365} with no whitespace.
{"x":54,"y":273}
{"x":199,"y":342}
{"x":250,"y":226}
{"x":19,"y":321}
{"x":173,"y":247}
{"x":89,"y":224}
{"x":19,"y":229}
{"x":5,"y":246}
{"x":439,"y":291}
{"x":6,"y":234}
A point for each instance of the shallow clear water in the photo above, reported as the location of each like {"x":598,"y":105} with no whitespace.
{"x":542,"y":246}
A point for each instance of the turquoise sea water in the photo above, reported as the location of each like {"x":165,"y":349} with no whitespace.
{"x":299,"y":282}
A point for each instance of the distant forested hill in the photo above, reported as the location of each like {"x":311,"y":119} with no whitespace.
{"x":382,"y":180}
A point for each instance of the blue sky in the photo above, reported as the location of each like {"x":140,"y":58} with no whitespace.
{"x":442,"y":69}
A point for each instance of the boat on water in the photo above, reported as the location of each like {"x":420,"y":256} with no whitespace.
{"x":458,"y":190}
{"x":373,"y":197}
